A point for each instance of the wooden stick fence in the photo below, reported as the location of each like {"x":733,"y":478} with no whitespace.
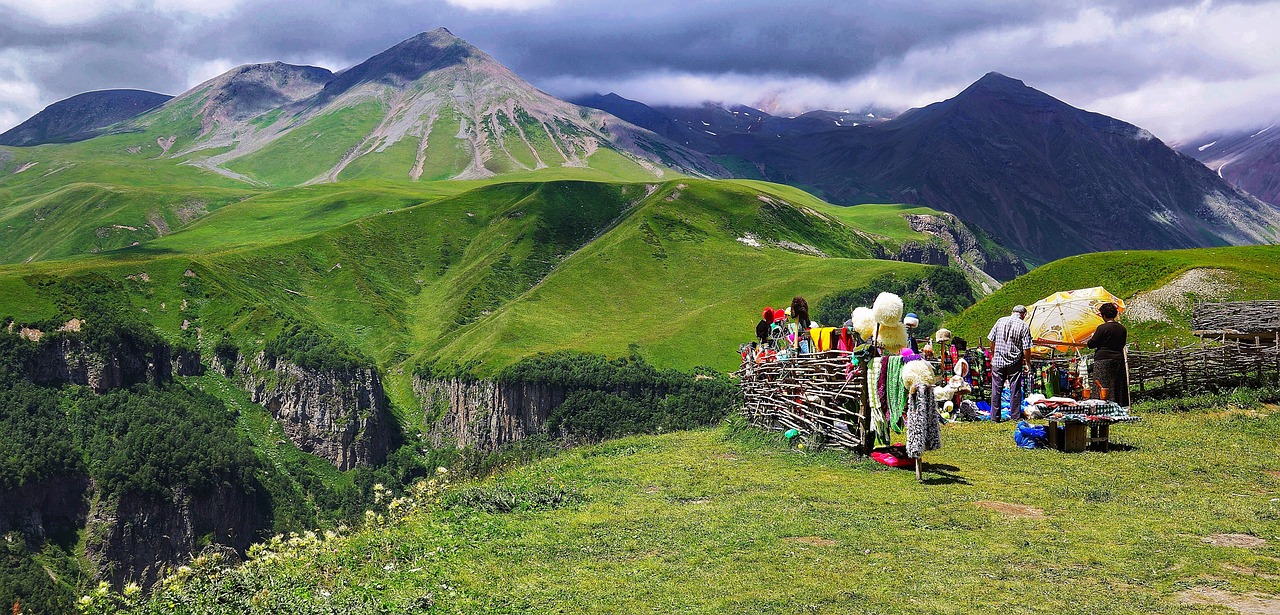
{"x":1191,"y":369}
{"x":809,"y":393}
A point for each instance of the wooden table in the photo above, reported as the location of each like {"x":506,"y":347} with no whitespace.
{"x":1075,"y":436}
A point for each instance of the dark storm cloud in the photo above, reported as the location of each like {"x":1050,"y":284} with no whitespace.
{"x":598,"y":43}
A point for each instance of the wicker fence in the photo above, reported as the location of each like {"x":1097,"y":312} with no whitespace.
{"x":1190,"y":369}
{"x":812,"y":394}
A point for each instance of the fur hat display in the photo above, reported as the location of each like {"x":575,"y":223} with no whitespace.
{"x":893,"y":337}
{"x":864,"y":322}
{"x":888,"y":309}
{"x":917,"y":372}
{"x":943,"y":335}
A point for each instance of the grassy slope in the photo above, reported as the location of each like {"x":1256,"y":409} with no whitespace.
{"x":691,"y":291}
{"x":667,"y":276}
{"x":1256,"y":270}
{"x":708,"y":522}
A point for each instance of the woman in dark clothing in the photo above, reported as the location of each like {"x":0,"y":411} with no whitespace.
{"x":1108,"y":360}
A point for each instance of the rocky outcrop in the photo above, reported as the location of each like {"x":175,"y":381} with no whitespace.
{"x":923,"y":253}
{"x":65,"y":359}
{"x":966,"y":251}
{"x":136,"y":537}
{"x":484,"y":414}
{"x":338,"y":415}
{"x":38,"y":508}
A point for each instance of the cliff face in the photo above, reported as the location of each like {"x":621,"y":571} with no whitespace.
{"x":966,"y":251}
{"x":39,"y":508}
{"x":66,"y":360}
{"x":338,"y":415}
{"x":484,"y":414}
{"x":136,"y":537}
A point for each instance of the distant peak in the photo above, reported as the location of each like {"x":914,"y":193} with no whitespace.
{"x":994,"y":80}
{"x":998,"y":86}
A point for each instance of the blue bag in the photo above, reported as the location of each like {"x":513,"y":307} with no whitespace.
{"x":1027,"y":436}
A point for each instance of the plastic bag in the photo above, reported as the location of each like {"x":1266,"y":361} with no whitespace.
{"x":1028,"y":436}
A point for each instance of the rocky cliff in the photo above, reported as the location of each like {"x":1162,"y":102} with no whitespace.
{"x":136,"y":537}
{"x":46,"y":506}
{"x":65,"y":359}
{"x":966,"y":251}
{"x":338,"y":415}
{"x":484,"y":414}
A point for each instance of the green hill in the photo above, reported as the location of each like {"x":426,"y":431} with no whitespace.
{"x":409,"y":273}
{"x":726,"y":521}
{"x":1159,"y":288}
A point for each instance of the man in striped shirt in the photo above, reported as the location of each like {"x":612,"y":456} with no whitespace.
{"x":1010,"y":356}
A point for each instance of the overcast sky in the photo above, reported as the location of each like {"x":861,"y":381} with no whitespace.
{"x":1175,"y":68}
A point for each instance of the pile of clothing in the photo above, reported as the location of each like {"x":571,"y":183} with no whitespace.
{"x":1092,"y":411}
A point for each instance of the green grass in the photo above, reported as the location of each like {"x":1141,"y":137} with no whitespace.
{"x":1254,"y":273}
{"x":727,"y":521}
{"x":312,"y":148}
{"x":484,"y":271}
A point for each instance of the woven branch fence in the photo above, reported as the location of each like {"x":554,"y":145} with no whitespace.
{"x":809,"y":393}
{"x":1191,"y":369}
{"x":1237,"y":316}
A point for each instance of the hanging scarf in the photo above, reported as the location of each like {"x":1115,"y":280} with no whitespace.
{"x":924,"y":431}
{"x":897,"y":394}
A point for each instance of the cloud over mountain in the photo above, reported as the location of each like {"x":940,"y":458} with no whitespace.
{"x":1152,"y":64}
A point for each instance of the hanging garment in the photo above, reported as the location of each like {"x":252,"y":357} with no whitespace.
{"x":924,"y":426}
{"x":821,"y":338}
{"x":896,"y":393}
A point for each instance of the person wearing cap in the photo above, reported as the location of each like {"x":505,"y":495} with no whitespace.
{"x":911,"y":322}
{"x":1010,"y":357}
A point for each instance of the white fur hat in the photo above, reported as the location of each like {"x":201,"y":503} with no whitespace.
{"x":864,"y":322}
{"x":943,"y":335}
{"x":917,"y":372}
{"x":888,"y":309}
{"x":893,"y":337}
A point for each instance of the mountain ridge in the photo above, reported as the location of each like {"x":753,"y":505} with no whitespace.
{"x":1040,"y":175}
{"x":82,"y":116}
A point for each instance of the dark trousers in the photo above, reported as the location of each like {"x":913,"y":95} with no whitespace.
{"x":1011,"y":374}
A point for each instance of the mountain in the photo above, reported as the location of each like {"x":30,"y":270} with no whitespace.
{"x":706,"y":127}
{"x":431,"y":107}
{"x":81,"y":117}
{"x":1042,"y":177}
{"x":1249,"y":159}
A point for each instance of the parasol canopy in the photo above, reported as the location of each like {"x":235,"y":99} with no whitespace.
{"x":1068,"y":316}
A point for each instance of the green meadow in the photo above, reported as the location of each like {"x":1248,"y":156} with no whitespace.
{"x":1184,"y":513}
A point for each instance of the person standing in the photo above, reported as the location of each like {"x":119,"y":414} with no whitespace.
{"x":1108,"y":359}
{"x":1010,"y":357}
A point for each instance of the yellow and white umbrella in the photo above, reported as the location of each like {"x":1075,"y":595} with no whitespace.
{"x":1068,"y":316}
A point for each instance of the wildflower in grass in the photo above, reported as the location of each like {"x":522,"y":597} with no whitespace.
{"x":131,"y":590}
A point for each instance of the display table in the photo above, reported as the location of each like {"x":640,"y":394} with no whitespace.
{"x":1083,"y":432}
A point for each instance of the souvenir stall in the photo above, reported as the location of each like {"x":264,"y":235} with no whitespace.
{"x":851,"y":386}
{"x":1061,"y":387}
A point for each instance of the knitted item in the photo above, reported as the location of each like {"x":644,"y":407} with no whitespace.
{"x":896,"y":393}
{"x":924,"y":427}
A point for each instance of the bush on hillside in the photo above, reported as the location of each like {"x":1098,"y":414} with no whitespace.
{"x":148,"y":440}
{"x":313,"y":349}
{"x":608,"y":398}
{"x":37,"y":441}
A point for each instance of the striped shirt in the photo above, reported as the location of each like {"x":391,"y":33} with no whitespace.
{"x":1012,"y":337}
